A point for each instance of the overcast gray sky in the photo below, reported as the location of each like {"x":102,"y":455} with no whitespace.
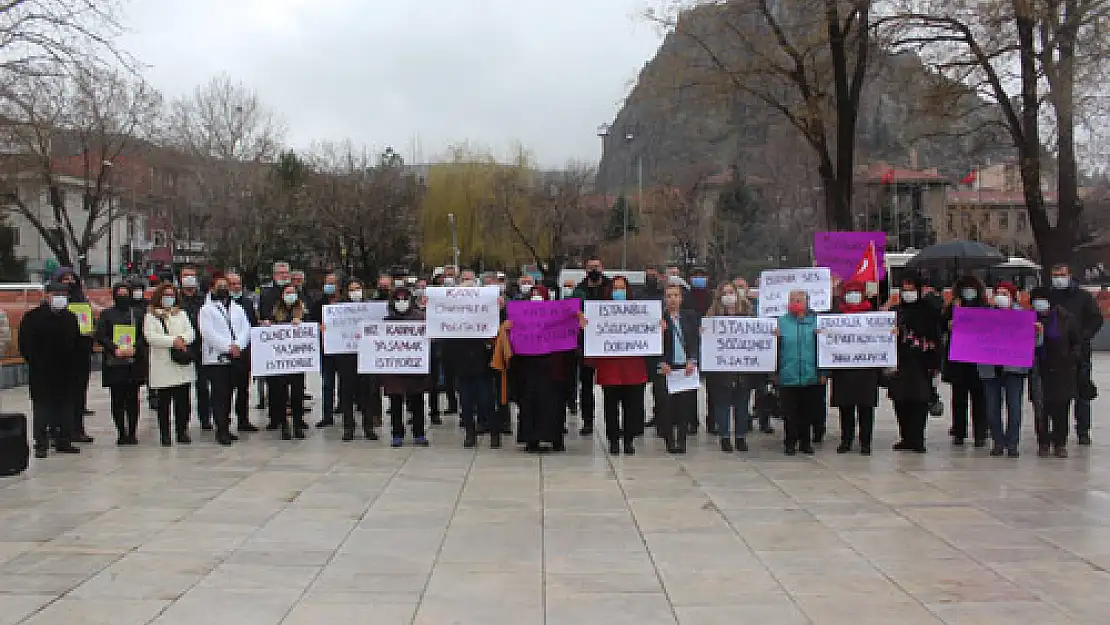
{"x":384,"y":72}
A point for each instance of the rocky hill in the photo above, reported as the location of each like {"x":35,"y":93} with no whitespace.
{"x":675,"y":128}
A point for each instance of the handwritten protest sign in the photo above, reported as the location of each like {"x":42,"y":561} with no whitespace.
{"x":543,"y":327}
{"x":842,"y":251}
{"x":738,"y":344}
{"x":343,"y":324}
{"x":394,"y":347}
{"x":84,"y":313}
{"x":679,"y":382}
{"x":993,"y":336}
{"x":285,"y":349}
{"x":623,"y":329}
{"x":858,"y":341}
{"x":463,"y":312}
{"x":124,"y":336}
{"x":775,"y":286}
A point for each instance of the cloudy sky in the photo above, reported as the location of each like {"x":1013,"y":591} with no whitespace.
{"x":389,"y":72}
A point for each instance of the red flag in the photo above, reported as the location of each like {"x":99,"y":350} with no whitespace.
{"x":867,"y":270}
{"x":888,"y":177}
{"x":970,"y":177}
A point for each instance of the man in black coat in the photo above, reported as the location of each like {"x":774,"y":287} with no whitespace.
{"x":1083,"y":308}
{"x":271,"y":293}
{"x":50,"y":343}
{"x":192,"y":300}
{"x":76,"y":295}
{"x":595,"y":286}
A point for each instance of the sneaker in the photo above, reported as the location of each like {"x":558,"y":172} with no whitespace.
{"x":421,"y":441}
{"x":396,"y":441}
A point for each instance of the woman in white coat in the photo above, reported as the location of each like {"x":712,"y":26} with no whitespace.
{"x":169,"y":333}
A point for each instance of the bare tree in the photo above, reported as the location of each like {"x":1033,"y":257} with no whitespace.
{"x":72,"y":130}
{"x":50,"y":37}
{"x":1039,"y":62}
{"x":807,"y":60}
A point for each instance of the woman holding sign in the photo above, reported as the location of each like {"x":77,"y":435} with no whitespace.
{"x":622,"y":382}
{"x":124,"y":369}
{"x":732,"y":392}
{"x":405,"y":390}
{"x":919,"y":357}
{"x":855,"y":392}
{"x":964,"y":377}
{"x":287,"y":391}
{"x":1004,"y":385}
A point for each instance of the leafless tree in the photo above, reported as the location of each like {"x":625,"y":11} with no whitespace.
{"x":52,"y":37}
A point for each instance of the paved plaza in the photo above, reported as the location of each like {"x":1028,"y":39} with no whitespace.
{"x":319,"y":531}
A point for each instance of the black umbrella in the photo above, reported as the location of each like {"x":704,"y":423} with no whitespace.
{"x":965,"y":255}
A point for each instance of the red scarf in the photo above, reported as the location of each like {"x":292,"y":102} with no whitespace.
{"x":863,"y":306}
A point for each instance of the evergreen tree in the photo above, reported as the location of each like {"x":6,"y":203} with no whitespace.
{"x":615,"y":229}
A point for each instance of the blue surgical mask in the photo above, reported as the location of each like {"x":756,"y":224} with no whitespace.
{"x":329,"y":289}
{"x":699,"y":282}
{"x":1040,"y":305}
{"x":620,"y":294}
{"x":969,"y":295}
{"x":1061,"y":282}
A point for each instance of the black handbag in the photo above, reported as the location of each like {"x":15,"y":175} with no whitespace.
{"x":179,"y":356}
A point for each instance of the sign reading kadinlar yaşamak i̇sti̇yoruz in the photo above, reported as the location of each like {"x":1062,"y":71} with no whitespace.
{"x":738,"y":344}
{"x":394,"y":347}
{"x":857,"y":341}
{"x":623,"y":329}
{"x":285,"y":349}
{"x":463,"y":312}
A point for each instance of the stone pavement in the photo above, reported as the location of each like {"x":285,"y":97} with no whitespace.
{"x":318,"y":531}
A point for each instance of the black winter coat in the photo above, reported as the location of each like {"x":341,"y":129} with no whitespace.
{"x":691,"y":336}
{"x":51,"y":345}
{"x":192,"y":304}
{"x":855,"y":387}
{"x":1082,"y":307}
{"x":121,"y":370}
{"x":1057,"y":360}
{"x":919,"y":353}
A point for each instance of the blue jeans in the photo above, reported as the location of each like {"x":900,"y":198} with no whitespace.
{"x":475,"y":399}
{"x":327,"y":373}
{"x":1008,"y":388}
{"x":731,"y":400}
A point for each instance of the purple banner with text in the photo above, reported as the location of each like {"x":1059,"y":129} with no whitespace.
{"x":842,"y":251}
{"x":543,"y":327}
{"x":992,"y":336}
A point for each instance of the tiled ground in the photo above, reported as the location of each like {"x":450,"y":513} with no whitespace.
{"x":317,"y":531}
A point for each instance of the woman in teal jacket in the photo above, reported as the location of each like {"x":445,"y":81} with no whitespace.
{"x":801,"y":384}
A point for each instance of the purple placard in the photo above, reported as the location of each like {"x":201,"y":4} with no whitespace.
{"x":993,"y":336}
{"x":842,"y":251}
{"x":544,"y":327}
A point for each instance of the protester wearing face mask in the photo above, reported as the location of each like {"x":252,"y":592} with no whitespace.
{"x":49,"y":342}
{"x":352,"y":389}
{"x":1084,"y":309}
{"x":241,"y":373}
{"x":124,"y":369}
{"x":191,"y":301}
{"x":622,"y":382}
{"x":1055,"y":378}
{"x":653,"y":285}
{"x":524,"y":288}
{"x":855,"y":392}
{"x":1004,"y":386}
{"x":919,"y":357}
{"x":732,"y":391}
{"x":76,"y":294}
{"x":328,"y":362}
{"x":801,"y":383}
{"x":405,"y":390}
{"x":226,"y":332}
{"x":967,"y":387}
{"x":595,"y":286}
{"x":271,"y":293}
{"x":700,"y":296}
{"x":681,"y":349}
{"x":287,"y":391}
{"x":167,"y":329}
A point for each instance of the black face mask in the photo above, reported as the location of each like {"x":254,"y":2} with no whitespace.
{"x":594,"y":275}
{"x":652,"y":282}
{"x":222,"y":294}
{"x":123,"y":302}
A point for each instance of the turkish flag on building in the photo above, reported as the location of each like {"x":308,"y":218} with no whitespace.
{"x":888,"y":177}
{"x":867,"y":270}
{"x":970,"y":177}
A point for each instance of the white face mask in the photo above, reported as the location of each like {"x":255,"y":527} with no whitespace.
{"x":289,"y":299}
{"x":1061,"y":282}
{"x":59,"y":302}
{"x":168,"y":301}
{"x":449,"y":281}
{"x":526,"y":288}
{"x":537,"y":298}
{"x":568,"y":291}
{"x":909,"y":297}
{"x":969,"y":295}
{"x":728,"y":299}
{"x":189,"y":282}
{"x":853,"y":297}
{"x":137,"y":295}
{"x":1002,"y":301}
{"x":402,"y":306}
{"x":356,"y":296}
{"x":1040,"y":305}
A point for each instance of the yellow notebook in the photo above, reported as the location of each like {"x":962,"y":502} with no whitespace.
{"x":124,"y":336}
{"x":84,"y":317}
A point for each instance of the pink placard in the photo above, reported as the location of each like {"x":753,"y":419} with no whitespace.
{"x":544,"y":327}
{"x":992,"y":336}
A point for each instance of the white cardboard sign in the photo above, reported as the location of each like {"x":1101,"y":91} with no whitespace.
{"x":775,"y":286}
{"x":394,"y":347}
{"x":739,"y":344}
{"x":463,"y":312}
{"x":857,"y":341}
{"x":285,"y":349}
{"x":623,"y":329}
{"x":343,"y":324}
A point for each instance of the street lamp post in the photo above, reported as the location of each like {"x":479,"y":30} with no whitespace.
{"x":108,"y":166}
{"x":603,"y":131}
{"x":454,"y":238}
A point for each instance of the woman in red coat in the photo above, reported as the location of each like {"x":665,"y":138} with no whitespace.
{"x":622,"y":381}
